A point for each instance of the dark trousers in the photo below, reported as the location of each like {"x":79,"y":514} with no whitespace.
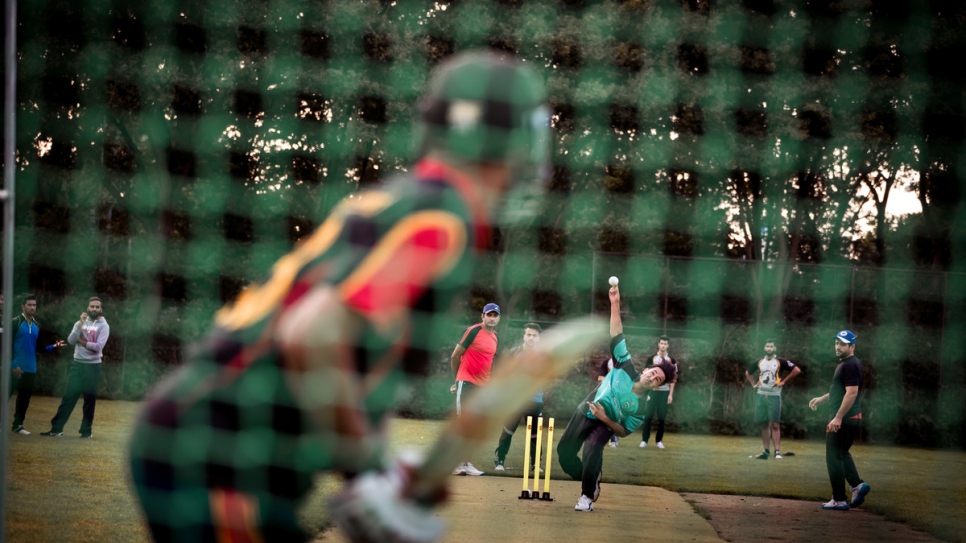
{"x":179,"y":508}
{"x":25,"y":390}
{"x":533,"y":409}
{"x":81,"y":379}
{"x":656,"y":405}
{"x":838,"y":460}
{"x":592,"y":435}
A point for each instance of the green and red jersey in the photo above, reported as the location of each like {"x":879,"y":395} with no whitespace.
{"x":396,"y":256}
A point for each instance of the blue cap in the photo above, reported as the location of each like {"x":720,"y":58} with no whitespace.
{"x":846,"y":336}
{"x":491,"y":307}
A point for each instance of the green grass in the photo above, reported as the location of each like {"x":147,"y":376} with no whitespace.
{"x":74,"y":490}
{"x":923,"y":488}
{"x":71,"y":489}
{"x":78,"y":490}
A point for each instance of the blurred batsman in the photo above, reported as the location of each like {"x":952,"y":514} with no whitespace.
{"x":299,"y":375}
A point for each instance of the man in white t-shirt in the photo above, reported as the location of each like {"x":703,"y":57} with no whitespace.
{"x":659,"y":399}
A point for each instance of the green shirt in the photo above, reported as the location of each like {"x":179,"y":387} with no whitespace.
{"x":614,"y":393}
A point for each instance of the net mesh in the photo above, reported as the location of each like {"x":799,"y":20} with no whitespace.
{"x":741,"y":166}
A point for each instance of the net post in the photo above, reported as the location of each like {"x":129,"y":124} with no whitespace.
{"x":9,"y":222}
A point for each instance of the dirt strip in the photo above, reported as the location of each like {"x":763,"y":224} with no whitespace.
{"x":751,"y":518}
{"x":486,"y":510}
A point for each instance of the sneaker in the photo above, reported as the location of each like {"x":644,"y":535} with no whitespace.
{"x":835,"y":506}
{"x":468,"y":469}
{"x":643,"y":444}
{"x":460,"y":469}
{"x":660,"y":445}
{"x":858,"y":494}
{"x":597,"y":485}
{"x":778,"y":455}
{"x":586,"y":504}
{"x":20,"y":430}
{"x":613,"y":444}
{"x":533,"y":469}
{"x":87,"y":436}
{"x":498,"y":465}
{"x":762,"y":456}
{"x":52,"y":434}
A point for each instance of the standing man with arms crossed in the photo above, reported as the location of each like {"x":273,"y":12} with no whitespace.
{"x":88,"y":336}
{"x":471,"y":362}
{"x":659,"y":400}
{"x":300,"y":374}
{"x":24,"y":361}
{"x":617,"y":407}
{"x":768,"y":401}
{"x":534,"y":408}
{"x":845,"y":414}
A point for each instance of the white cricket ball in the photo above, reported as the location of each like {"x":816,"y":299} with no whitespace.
{"x":613,"y":280}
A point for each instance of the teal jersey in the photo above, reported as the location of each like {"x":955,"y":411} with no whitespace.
{"x":614,"y":393}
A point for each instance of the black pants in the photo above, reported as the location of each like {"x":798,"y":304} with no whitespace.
{"x":179,"y":508}
{"x":838,"y":460}
{"x":592,"y":435}
{"x":656,"y":404}
{"x":81,"y":379}
{"x":25,"y":390}
{"x":533,"y":409}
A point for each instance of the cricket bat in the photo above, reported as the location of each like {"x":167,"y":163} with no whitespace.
{"x":515,"y":380}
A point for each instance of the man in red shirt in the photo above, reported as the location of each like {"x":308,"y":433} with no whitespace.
{"x":471,"y":362}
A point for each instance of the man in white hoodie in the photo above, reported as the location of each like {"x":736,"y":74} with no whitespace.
{"x":88,"y":336}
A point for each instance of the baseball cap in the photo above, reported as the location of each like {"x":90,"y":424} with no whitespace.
{"x":846,"y":336}
{"x":491,"y":307}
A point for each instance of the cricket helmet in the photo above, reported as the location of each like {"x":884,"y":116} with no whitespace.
{"x":481,"y":107}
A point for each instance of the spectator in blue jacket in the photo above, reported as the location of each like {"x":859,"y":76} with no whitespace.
{"x":24,"y":362}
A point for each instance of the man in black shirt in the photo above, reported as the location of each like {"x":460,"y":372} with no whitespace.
{"x":845,"y":414}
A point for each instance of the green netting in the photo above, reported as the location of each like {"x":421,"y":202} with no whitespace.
{"x":732,"y":162}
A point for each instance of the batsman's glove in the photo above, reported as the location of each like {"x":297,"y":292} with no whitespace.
{"x":373,"y":509}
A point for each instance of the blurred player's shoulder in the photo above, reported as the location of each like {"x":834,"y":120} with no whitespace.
{"x":406,"y":193}
{"x":366,"y":203}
